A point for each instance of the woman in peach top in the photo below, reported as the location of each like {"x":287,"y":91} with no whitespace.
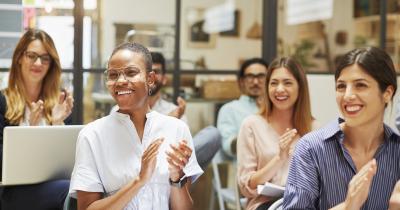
{"x":266,"y":140}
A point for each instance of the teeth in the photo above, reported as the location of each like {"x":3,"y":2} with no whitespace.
{"x":124,"y":92}
{"x":353,"y":108}
{"x":281,"y":98}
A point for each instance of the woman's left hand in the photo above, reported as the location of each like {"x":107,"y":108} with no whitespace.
{"x":63,"y":108}
{"x":177,"y":159}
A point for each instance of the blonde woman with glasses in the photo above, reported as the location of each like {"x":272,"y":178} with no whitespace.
{"x":33,"y":98}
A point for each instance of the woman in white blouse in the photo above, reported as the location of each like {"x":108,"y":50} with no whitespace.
{"x":134,"y":158}
{"x":266,"y":140}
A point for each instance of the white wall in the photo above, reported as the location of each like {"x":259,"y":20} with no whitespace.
{"x":322,"y":94}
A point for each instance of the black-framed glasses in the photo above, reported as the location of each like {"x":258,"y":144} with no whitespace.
{"x":252,"y":77}
{"x":129,"y":73}
{"x":157,"y":71}
{"x":32,"y":57}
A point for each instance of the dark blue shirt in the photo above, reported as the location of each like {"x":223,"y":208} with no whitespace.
{"x":321,"y":169}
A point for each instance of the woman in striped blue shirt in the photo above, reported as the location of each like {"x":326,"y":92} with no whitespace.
{"x":353,"y":162}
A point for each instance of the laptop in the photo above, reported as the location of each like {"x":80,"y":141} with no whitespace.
{"x":34,"y":154}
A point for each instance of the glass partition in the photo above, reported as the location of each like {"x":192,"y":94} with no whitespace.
{"x":317,"y":33}
{"x":113,"y":22}
{"x":392,"y":32}
{"x":219,"y":35}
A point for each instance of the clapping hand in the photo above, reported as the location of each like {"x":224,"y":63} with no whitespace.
{"x":177,"y":159}
{"x":180,"y":110}
{"x":63,"y":108}
{"x":359,"y":186}
{"x":285,"y":143}
{"x":36,"y":112}
{"x":149,"y":160}
{"x":394,"y":202}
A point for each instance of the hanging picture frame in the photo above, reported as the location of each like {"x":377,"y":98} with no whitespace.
{"x":235,"y":32}
{"x":197,"y":37}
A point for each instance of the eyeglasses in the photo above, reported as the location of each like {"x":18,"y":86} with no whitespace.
{"x":32,"y":57}
{"x":252,"y":77}
{"x":129,"y":73}
{"x":157,"y":71}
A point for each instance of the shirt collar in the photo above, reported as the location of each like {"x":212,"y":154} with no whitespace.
{"x":332,"y":129}
{"x":123,"y":116}
{"x":246,"y":98}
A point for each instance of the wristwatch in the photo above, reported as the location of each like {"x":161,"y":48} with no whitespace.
{"x":180,"y":183}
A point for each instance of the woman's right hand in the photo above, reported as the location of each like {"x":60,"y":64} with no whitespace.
{"x":149,"y":160}
{"x":36,"y":112}
{"x":394,"y":202}
{"x":285,"y":143}
{"x":359,"y":186}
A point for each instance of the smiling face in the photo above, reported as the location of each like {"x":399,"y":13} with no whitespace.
{"x":359,"y":97}
{"x":34,"y":68}
{"x":130,"y":90}
{"x":283,"y":89}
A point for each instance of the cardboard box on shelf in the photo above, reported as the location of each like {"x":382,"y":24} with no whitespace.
{"x":220,"y":89}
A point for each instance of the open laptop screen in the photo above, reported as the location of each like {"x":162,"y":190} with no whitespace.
{"x":34,"y":154}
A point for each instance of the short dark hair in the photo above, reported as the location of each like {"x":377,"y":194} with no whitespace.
{"x":375,"y":62}
{"x":248,"y":63}
{"x":158,"y":58}
{"x":136,"y":48}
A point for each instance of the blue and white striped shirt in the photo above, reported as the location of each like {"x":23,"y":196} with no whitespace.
{"x":322,"y":167}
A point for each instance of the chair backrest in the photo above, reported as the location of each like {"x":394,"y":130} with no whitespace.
{"x":240,"y":202}
{"x":224,"y":194}
{"x":70,"y":203}
{"x":277,"y":205}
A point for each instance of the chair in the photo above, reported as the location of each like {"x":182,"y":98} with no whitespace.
{"x":70,"y":203}
{"x":224,"y":194}
{"x":277,"y":205}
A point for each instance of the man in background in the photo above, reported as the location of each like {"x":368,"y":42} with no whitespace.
{"x":208,"y":140}
{"x":156,"y":101}
{"x":251,"y":79}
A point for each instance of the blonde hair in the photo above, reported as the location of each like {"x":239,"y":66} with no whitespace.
{"x":16,"y":93}
{"x":302,"y":118}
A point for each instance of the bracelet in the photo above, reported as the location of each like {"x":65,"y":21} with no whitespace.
{"x":179,"y":184}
